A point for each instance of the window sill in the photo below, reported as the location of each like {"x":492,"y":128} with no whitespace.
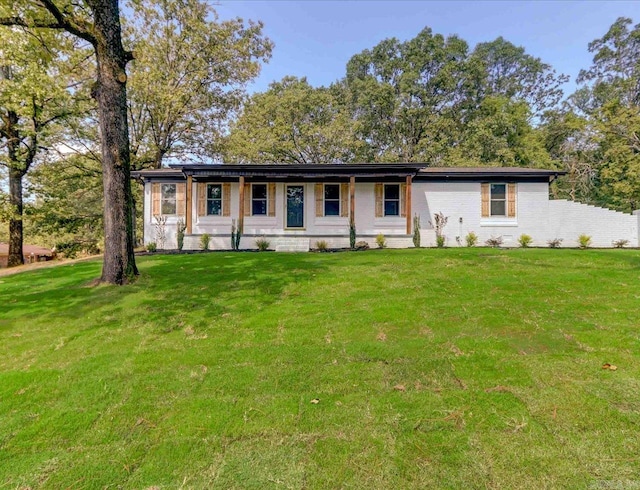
{"x":506,"y":222}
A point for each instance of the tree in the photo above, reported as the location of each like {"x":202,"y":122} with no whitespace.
{"x":499,"y":68}
{"x":404,"y":95}
{"x":34,"y":99}
{"x":293,"y":122}
{"x":98,"y":22}
{"x":188,"y":77}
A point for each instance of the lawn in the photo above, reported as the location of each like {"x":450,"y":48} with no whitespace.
{"x":455,"y":368}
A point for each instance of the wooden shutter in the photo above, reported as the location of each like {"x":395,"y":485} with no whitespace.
{"x":486,"y":200}
{"x":344,"y":200}
{"x":511,"y":200}
{"x":271,"y":199}
{"x":155,"y":200}
{"x":181,"y":199}
{"x":202,"y":198}
{"x":319,"y":190}
{"x":403,"y":200}
{"x":247,"y":199}
{"x":379,"y":192}
{"x":226,"y":199}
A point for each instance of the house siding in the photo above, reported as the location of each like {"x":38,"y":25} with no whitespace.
{"x":460,"y":201}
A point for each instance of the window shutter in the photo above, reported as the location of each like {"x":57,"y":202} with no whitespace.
{"x":202,"y":199}
{"x":379,"y":189}
{"x":511,"y":200}
{"x":486,"y":200}
{"x":181,"y":199}
{"x":247,"y":199}
{"x":155,"y":200}
{"x":271,"y":198}
{"x":226,"y":199}
{"x":319,"y":190}
{"x":403,"y":200}
{"x":344,"y":200}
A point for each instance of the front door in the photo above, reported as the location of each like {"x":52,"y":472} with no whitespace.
{"x":295,"y":206}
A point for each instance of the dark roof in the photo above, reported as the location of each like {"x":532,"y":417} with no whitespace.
{"x":367,"y":170}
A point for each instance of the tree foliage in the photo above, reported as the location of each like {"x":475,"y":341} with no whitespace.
{"x":293,"y":122}
{"x":187,"y":78}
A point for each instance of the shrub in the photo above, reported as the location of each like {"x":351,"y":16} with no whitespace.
{"x":620,"y":243}
{"x":494,"y":242}
{"x":181,"y":228}
{"x":263,"y":244}
{"x":584,"y":241}
{"x":235,"y":235}
{"x":381,"y":241}
{"x":352,"y":235}
{"x":322,"y":245}
{"x":204,"y":241}
{"x":555,"y":243}
{"x":416,"y":231}
{"x":471,"y":239}
{"x":151,"y":247}
{"x":440,"y":221}
{"x":525,"y":240}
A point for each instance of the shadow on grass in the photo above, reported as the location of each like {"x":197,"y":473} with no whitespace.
{"x":169,"y":286}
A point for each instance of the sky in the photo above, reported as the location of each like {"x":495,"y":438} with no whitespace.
{"x":316,"y":39}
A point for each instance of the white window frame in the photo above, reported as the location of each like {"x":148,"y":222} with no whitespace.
{"x":324,"y":201}
{"x":163,"y":199}
{"x":207,"y":199}
{"x":384,"y":200}
{"x":492,"y":200}
{"x":266,"y":199}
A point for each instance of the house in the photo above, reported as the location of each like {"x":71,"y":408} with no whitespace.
{"x":31,"y":253}
{"x":294,"y":206}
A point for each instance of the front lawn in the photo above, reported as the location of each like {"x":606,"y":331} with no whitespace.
{"x":455,"y":368}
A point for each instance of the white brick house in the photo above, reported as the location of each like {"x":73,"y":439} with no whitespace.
{"x":294,"y":206}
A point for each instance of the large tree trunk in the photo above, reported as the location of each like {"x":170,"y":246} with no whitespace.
{"x":16,"y":257}
{"x":110,"y":92}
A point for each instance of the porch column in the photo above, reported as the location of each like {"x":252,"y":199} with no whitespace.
{"x":407,"y":204}
{"x":189,"y":200}
{"x":241,"y":213}
{"x":352,"y":200}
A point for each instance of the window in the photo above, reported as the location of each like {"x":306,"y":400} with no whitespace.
{"x":392,"y":200}
{"x":498,"y":199}
{"x":332,"y":200}
{"x":259,"y":199}
{"x":168,"y":199}
{"x":214,"y":199}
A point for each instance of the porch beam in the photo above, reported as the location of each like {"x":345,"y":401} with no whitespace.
{"x":241,"y":213}
{"x":407,"y":204}
{"x":189,"y":200}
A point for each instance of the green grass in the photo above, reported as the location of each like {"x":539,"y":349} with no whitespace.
{"x":455,"y":368}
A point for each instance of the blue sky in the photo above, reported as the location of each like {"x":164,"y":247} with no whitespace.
{"x":316,"y":38}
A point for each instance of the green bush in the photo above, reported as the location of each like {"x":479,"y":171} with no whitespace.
{"x":440,"y":241}
{"x":416,"y":231}
{"x":381,"y":241}
{"x":181,"y":228}
{"x":263,"y":244}
{"x":151,"y":247}
{"x":204,"y":241}
{"x":584,"y":241}
{"x":471,"y":239}
{"x":525,"y":240}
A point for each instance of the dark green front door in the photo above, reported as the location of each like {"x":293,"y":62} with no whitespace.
{"x":295,"y":206}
